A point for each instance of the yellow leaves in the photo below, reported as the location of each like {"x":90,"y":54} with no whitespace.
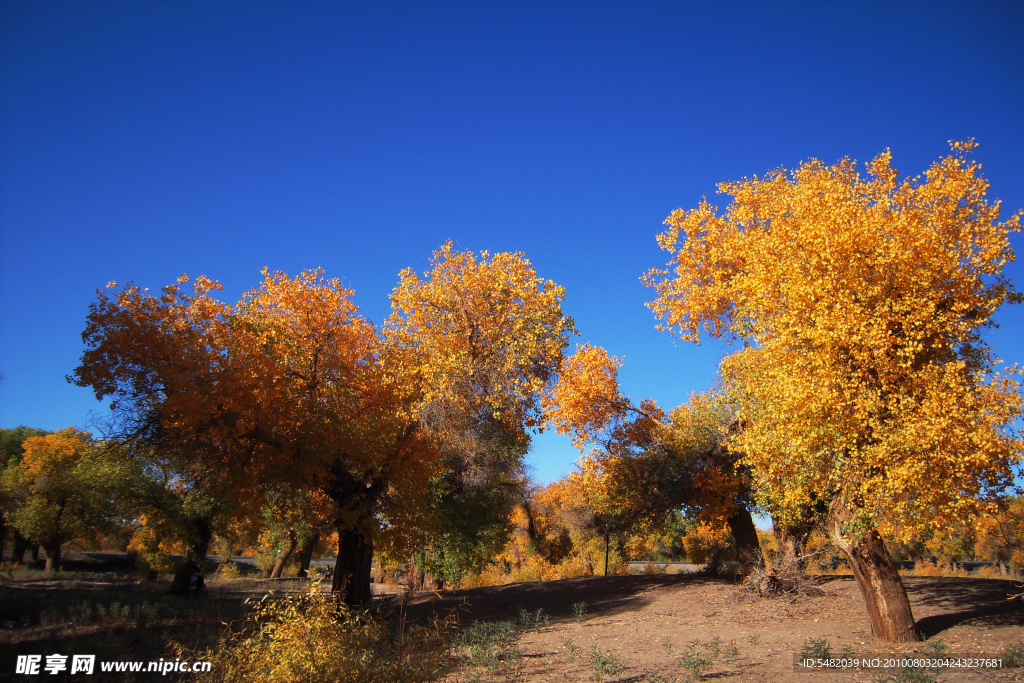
{"x":479,"y":332}
{"x":54,"y":453}
{"x":864,"y":300}
{"x":585,"y":399}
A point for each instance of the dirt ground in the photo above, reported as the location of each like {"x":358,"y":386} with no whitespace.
{"x":645,"y":627}
{"x":648,"y":622}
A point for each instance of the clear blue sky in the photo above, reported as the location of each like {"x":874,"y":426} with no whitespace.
{"x":142,"y":140}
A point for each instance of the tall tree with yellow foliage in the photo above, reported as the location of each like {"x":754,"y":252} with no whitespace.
{"x":864,"y":376}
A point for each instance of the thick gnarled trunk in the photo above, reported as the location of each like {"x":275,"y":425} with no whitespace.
{"x":352,"y":570}
{"x":880,"y":584}
{"x":356,"y":498}
{"x":748,"y":547}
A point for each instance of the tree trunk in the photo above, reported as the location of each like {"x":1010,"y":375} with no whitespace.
{"x":356,"y":498}
{"x":880,"y":584}
{"x":790,"y":549}
{"x":21,"y":545}
{"x":195,"y":557}
{"x":426,"y":581}
{"x":748,"y":547}
{"x":714,"y":563}
{"x":53,"y":554}
{"x":282,"y":560}
{"x":588,"y":567}
{"x":352,"y":570}
{"x":306,"y":553}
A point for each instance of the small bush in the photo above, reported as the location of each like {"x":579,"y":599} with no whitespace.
{"x":531,"y":620}
{"x":605,"y":664}
{"x":787,"y":580}
{"x":312,"y":637}
{"x":228,"y":570}
{"x":579,"y":612}
{"x":989,"y":572}
{"x":925,"y":568}
{"x":816,"y":648}
{"x":697,"y":660}
{"x":492,"y":645}
{"x":1013,"y":656}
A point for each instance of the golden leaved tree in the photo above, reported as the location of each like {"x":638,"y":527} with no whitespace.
{"x":647,"y":464}
{"x":292,"y":385}
{"x":864,"y":375}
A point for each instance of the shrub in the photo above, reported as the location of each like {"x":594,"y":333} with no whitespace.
{"x":492,"y":645}
{"x":579,"y":612}
{"x":924,"y":568}
{"x":1013,"y":656}
{"x":312,"y":637}
{"x":605,"y":664}
{"x":228,"y":570}
{"x":989,"y":572}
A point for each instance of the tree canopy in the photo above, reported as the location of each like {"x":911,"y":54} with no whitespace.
{"x":865,"y":376}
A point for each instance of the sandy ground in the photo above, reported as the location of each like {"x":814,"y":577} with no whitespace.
{"x":647,"y":622}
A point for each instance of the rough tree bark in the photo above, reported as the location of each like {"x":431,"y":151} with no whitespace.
{"x":748,"y":547}
{"x":792,"y":537}
{"x":425,"y":581}
{"x":356,"y":499}
{"x":880,"y":584}
{"x":352,"y":570}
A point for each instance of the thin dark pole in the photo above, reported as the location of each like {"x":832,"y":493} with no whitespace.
{"x":607,"y":528}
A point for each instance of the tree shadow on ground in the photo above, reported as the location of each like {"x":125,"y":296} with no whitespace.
{"x":604,"y":596}
{"x":948,"y":602}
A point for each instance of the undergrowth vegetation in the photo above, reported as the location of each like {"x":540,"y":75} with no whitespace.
{"x":314,"y":637}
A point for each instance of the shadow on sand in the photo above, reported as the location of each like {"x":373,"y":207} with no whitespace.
{"x":604,"y":596}
{"x":955,"y":601}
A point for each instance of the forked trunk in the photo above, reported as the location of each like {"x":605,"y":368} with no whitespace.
{"x":306,"y":553}
{"x":426,"y":581}
{"x":748,"y":547}
{"x":352,"y":570}
{"x":285,"y":555}
{"x":790,"y":549}
{"x":880,"y":584}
